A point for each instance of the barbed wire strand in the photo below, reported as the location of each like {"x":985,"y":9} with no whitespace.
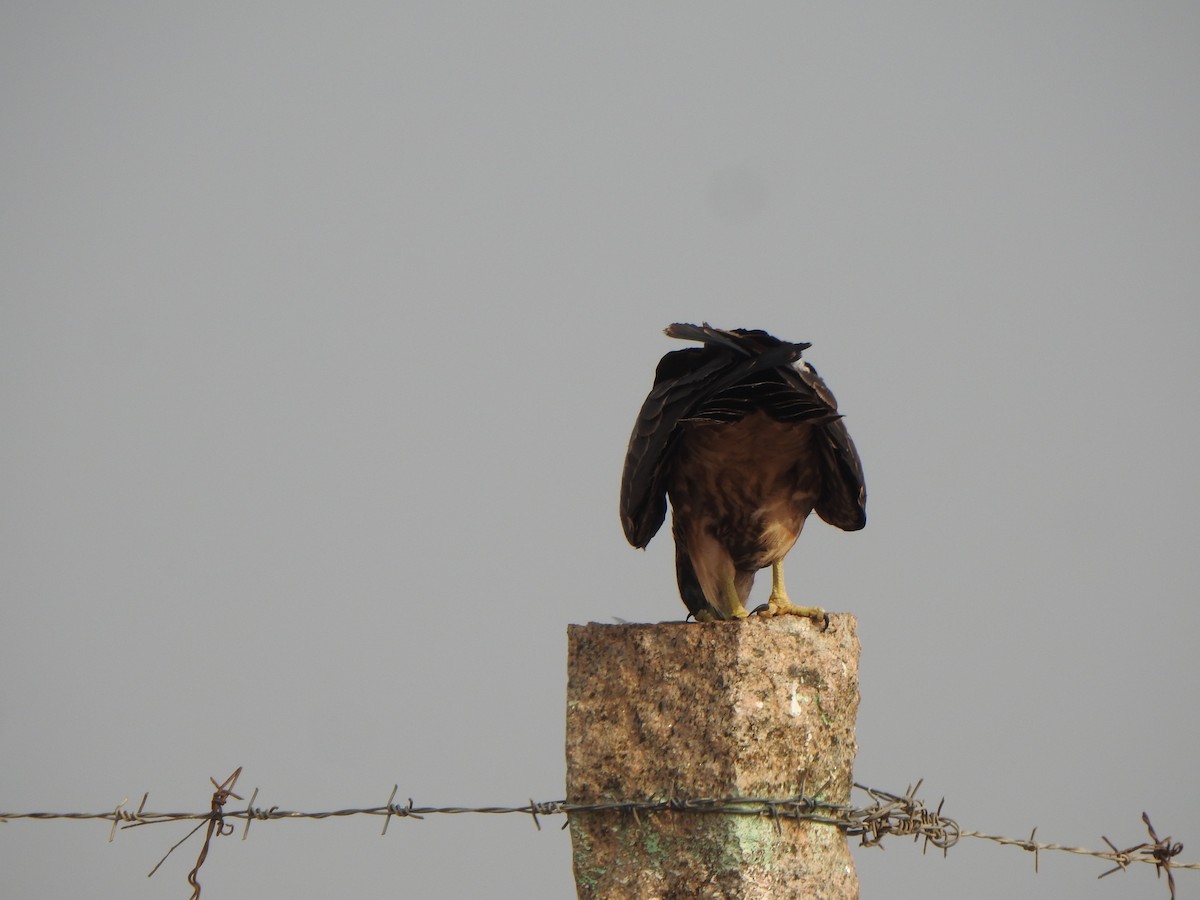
{"x":888,"y":814}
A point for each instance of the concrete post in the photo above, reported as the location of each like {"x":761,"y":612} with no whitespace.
{"x":752,"y":708}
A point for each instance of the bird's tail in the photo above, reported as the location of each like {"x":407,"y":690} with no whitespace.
{"x":740,"y":341}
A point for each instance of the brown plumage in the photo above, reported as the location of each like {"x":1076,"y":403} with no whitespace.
{"x":746,"y":440}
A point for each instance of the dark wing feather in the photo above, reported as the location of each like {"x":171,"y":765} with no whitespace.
{"x":843,"y":500}
{"x":680,"y":378}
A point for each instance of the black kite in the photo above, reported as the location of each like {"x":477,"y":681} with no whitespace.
{"x":746,"y":440}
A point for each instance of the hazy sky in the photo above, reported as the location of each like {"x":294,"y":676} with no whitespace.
{"x":322,"y":332}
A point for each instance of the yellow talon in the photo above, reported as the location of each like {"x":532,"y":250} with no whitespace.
{"x":778,"y":603}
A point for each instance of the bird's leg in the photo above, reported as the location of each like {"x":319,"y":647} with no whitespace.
{"x":778,"y":603}
{"x":731,"y":604}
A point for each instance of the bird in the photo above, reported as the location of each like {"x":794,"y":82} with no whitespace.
{"x":745,"y":439}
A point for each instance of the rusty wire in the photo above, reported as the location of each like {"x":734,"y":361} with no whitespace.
{"x":886,"y":815}
{"x":216,"y":824}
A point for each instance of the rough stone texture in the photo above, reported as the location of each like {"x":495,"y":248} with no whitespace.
{"x":752,"y":708}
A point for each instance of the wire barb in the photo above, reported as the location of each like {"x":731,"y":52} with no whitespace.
{"x":1160,"y":852}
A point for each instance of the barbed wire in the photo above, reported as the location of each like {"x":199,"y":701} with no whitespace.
{"x":886,"y":815}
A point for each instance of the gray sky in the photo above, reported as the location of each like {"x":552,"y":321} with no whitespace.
{"x":322,"y":333}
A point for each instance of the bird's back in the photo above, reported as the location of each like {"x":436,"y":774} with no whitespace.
{"x":734,"y":375}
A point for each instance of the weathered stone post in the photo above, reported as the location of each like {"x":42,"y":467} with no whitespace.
{"x":752,"y":708}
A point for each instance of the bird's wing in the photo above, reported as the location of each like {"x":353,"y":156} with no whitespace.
{"x":843,"y":500}
{"x":680,"y":379}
